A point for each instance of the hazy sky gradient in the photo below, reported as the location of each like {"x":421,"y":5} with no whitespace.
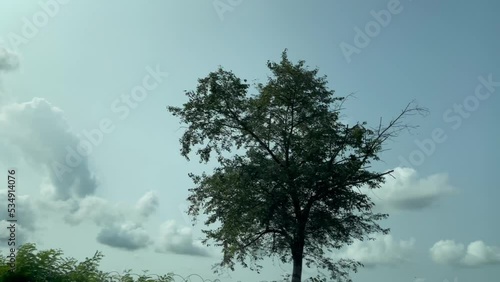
{"x":67,"y":68}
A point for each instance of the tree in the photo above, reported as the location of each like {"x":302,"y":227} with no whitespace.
{"x":291,"y":188}
{"x":49,"y":265}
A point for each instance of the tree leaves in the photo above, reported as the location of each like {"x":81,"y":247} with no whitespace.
{"x":50,"y":266}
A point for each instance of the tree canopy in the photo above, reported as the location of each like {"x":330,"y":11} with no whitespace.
{"x":289,"y":168}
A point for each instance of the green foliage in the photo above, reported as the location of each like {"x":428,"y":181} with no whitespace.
{"x":50,"y":266}
{"x":293,"y":192}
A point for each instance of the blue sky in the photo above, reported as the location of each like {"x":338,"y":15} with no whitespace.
{"x":68,"y":69}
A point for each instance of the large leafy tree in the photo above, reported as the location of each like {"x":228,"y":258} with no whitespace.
{"x":290,"y":187}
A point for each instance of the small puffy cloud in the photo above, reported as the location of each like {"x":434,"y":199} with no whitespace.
{"x":95,"y":209}
{"x":447,"y":252}
{"x":383,"y":250}
{"x":478,"y":254}
{"x":179,"y":241}
{"x":8,"y":60}
{"x":127,"y":236}
{"x":39,"y":131}
{"x":407,"y":191}
{"x":103,"y":212}
{"x":147,"y":204}
{"x":475,"y":255}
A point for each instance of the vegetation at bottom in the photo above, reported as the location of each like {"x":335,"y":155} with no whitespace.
{"x":51,"y":266}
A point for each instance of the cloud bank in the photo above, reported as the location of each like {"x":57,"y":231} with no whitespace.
{"x":127,"y":236}
{"x":178,"y":240}
{"x":476,"y":254}
{"x":384,"y":250}
{"x":407,"y":191}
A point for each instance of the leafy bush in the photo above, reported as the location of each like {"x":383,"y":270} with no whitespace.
{"x":50,"y":265}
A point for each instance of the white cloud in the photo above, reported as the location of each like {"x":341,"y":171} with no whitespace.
{"x":95,"y":209}
{"x":447,"y":252}
{"x":103,"y":212}
{"x":179,"y":241}
{"x":128,"y":236}
{"x":407,"y":191}
{"x":41,"y":134}
{"x":147,"y":204}
{"x":476,"y":254}
{"x":121,"y":225}
{"x":384,"y":250}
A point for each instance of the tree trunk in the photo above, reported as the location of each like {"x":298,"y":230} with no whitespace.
{"x":297,"y":268}
{"x":297,"y":256}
